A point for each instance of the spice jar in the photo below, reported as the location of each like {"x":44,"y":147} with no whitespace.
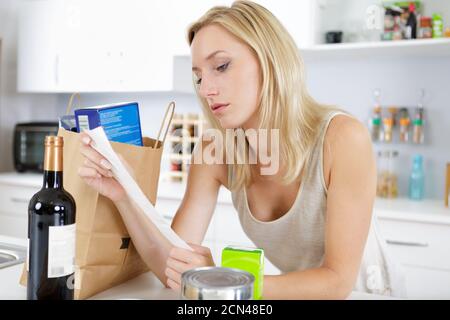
{"x":404,"y":124}
{"x":376,"y":124}
{"x":426,"y":28}
{"x":388,"y":123}
{"x":418,"y":136}
{"x":387,"y":184}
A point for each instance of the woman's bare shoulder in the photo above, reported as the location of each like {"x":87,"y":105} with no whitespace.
{"x":345,"y":138}
{"x":345,"y":130}
{"x":204,"y":160}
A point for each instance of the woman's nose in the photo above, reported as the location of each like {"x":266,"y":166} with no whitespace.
{"x":208,"y":88}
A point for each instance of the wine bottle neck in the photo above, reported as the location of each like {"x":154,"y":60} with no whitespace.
{"x":53,"y":163}
{"x":53,"y":180}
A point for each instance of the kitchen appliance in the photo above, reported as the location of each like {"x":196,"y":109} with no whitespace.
{"x":333,"y":37}
{"x":217,"y":283}
{"x":28,"y":144}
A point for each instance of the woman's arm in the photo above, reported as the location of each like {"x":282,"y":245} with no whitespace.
{"x":350,"y":197}
{"x":191,"y":220}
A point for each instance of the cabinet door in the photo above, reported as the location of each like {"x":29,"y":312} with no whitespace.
{"x":37,"y":60}
{"x":418,"y":244}
{"x":94,"y":46}
{"x":116,"y":46}
{"x":14,"y":210}
{"x":298,"y":17}
{"x":426,"y":283}
{"x":422,"y":249}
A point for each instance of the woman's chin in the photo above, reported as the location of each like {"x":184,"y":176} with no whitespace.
{"x":227,"y":124}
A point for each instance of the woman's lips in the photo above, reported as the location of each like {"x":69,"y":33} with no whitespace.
{"x":218,"y":107}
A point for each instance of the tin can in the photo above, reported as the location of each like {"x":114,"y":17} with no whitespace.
{"x":217,"y":283}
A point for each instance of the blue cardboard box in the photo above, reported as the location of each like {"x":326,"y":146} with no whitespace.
{"x":120,"y":121}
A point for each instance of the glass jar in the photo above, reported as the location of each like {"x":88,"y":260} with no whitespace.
{"x":404,"y":125}
{"x":418,"y":132}
{"x":387,"y":183}
{"x":375,"y":124}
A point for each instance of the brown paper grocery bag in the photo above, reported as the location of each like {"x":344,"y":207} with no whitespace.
{"x":105,"y":255}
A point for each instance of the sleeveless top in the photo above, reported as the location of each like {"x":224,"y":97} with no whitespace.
{"x":296,"y":241}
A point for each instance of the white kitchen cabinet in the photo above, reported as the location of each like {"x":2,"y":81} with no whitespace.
{"x":427,"y":283}
{"x":14,"y":210}
{"x":37,"y":58}
{"x":94,"y":46}
{"x":422,"y":249}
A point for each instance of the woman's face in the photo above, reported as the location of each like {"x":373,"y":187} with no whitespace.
{"x":227,"y":74}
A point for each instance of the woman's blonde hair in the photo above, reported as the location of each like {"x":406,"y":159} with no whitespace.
{"x":284,"y":101}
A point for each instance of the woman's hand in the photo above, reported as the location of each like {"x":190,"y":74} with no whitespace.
{"x":181,"y":260}
{"x":96,"y":171}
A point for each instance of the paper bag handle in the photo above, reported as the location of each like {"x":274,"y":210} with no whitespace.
{"x":69,"y":105}
{"x":165,"y":124}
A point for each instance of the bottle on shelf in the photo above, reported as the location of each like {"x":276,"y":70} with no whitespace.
{"x":411,"y":23}
{"x":51,"y":232}
{"x":375,"y":121}
{"x":418,"y":136}
{"x":438,"y":26}
{"x":418,"y":121}
{"x":376,"y":124}
{"x":425,"y":28}
{"x":387,"y":182}
{"x":417,"y":179}
{"x":404,"y":125}
{"x":389,"y":123}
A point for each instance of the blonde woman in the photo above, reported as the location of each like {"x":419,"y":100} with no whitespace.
{"x":313,"y":215}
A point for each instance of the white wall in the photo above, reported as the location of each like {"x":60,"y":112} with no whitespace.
{"x":350,"y":84}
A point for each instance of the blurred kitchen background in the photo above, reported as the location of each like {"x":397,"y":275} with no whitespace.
{"x":360,"y":55}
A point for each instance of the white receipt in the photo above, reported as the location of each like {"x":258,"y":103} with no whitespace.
{"x":102,"y":145}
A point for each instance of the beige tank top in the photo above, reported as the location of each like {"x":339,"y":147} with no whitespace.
{"x":296,"y":240}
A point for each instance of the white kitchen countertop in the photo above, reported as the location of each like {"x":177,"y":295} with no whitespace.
{"x":428,"y":211}
{"x":146,"y":286}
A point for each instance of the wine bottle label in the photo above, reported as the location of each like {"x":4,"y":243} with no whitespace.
{"x":61,"y":251}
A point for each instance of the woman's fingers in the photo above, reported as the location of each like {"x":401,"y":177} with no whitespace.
{"x":173,"y":285}
{"x":95,"y":157}
{"x":173,"y":275}
{"x":106,"y":173}
{"x":84,"y":138}
{"x":184,"y":255}
{"x":178,"y":265}
{"x":194,"y":259}
{"x":86,"y":172}
{"x":204,"y":251}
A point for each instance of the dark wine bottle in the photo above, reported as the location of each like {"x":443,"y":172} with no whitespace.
{"x":411,"y":23}
{"x":51,"y":232}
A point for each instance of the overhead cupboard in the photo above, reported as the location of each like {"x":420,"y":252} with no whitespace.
{"x":114,"y":45}
{"x":133,"y":45}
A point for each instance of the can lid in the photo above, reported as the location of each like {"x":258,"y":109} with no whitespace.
{"x":208,"y":283}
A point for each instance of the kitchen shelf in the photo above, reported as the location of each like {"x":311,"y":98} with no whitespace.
{"x":185,"y":131}
{"x":390,"y":49}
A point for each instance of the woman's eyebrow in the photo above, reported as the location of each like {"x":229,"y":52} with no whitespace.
{"x":210,"y":56}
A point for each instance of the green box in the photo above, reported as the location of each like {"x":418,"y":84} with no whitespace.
{"x":247,"y":259}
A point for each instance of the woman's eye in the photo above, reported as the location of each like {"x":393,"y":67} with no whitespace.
{"x":199,"y":81}
{"x":223,"y":67}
